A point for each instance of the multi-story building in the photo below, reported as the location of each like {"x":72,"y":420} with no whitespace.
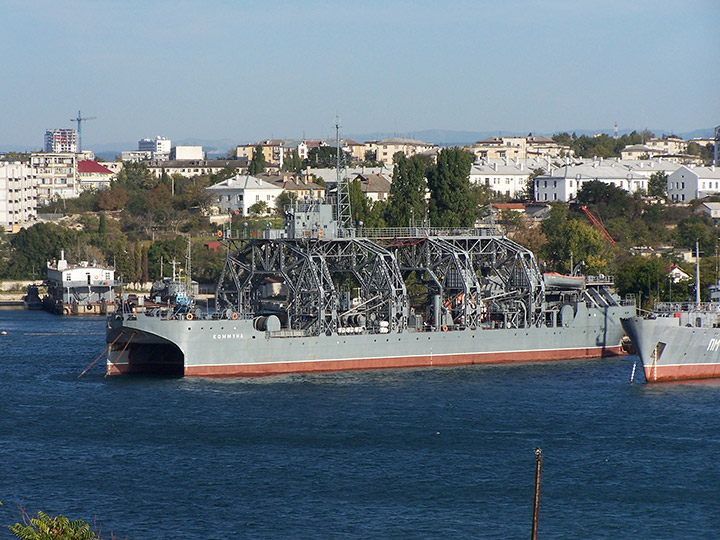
{"x":688,"y":183}
{"x":158,"y":148}
{"x":18,"y":203}
{"x":668,"y":145}
{"x":716,"y":159}
{"x":92,"y":175}
{"x":564,"y":183}
{"x":239,"y":193}
{"x":193,"y":167}
{"x":179,"y":153}
{"x":56,"y":176}
{"x":385,"y":149}
{"x":61,"y":140}
{"x":507,"y":177}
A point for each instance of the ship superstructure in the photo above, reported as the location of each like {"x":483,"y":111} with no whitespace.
{"x":79,"y":289}
{"x":320,"y":296}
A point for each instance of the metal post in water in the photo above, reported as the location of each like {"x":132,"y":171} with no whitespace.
{"x":536,"y":503}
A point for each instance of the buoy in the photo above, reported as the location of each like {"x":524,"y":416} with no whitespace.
{"x":234,"y":316}
{"x":3,"y":333}
{"x":189,"y":316}
{"x":444,"y":328}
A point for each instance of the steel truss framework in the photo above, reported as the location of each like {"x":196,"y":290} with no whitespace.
{"x":307,"y":268}
{"x":476,"y":276}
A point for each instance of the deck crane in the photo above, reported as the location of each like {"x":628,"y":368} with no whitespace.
{"x":79,"y":121}
{"x":598,"y":225}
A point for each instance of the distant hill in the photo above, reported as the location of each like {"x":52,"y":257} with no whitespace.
{"x":218,"y":148}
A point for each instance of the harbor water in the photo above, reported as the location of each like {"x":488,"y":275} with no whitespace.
{"x":419,"y":453}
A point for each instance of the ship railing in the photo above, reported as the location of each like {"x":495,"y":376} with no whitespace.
{"x":289,"y":333}
{"x":686,"y":307}
{"x":600,"y":279}
{"x":424,"y":232}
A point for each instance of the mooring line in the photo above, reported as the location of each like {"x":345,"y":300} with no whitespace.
{"x":99,"y":357}
{"x":124,"y":348}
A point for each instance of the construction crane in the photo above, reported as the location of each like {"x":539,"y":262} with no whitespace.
{"x":598,"y":225}
{"x":79,"y":121}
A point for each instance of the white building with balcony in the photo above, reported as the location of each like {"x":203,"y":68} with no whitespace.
{"x":61,"y":140}
{"x":56,"y":176}
{"x":18,"y":202}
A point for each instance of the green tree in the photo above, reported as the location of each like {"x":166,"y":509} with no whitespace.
{"x":566,"y":236}
{"x":407,"y":192}
{"x":641,"y":276}
{"x":286,"y":198}
{"x":657,"y":184}
{"x":260,"y":208}
{"x":293,"y":163}
{"x":35,"y":246}
{"x":360,"y":205}
{"x":257,"y":163}
{"x":451,"y":201}
{"x":45,"y":527}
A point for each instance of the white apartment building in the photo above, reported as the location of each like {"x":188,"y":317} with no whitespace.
{"x":158,"y":148}
{"x":60,"y":140}
{"x":180,"y":153}
{"x":238,"y":193}
{"x":507,"y":177}
{"x":564,"y":183}
{"x":158,"y":144}
{"x":688,"y":183}
{"x":56,"y":176}
{"x":18,"y":203}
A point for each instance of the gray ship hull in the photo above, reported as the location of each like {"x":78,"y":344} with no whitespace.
{"x":671,"y":350}
{"x":230,"y":348}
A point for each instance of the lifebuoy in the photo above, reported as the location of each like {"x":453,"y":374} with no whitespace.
{"x":234,"y":316}
{"x":189,"y":316}
{"x":444,"y":328}
{"x":219,"y":234}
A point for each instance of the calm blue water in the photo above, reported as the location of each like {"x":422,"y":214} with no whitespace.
{"x":420,"y":454}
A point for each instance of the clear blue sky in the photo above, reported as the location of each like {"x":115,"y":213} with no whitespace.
{"x":246,"y":70}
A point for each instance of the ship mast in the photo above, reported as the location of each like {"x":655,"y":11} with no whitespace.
{"x":344,"y":212}
{"x":697,"y":272}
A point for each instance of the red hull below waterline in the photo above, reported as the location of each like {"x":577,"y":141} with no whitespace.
{"x":276,"y":368}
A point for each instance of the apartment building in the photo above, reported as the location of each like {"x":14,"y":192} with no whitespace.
{"x":158,"y":148}
{"x":238,"y":193}
{"x":564,"y":183}
{"x":18,"y":203}
{"x":56,"y":176}
{"x":61,"y":140}
{"x":688,"y":183}
{"x":385,"y":149}
{"x":93,"y":176}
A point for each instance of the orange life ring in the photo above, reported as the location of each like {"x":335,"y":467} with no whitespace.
{"x":189,"y":316}
{"x":444,"y":328}
{"x":219,"y":234}
{"x":234,"y":316}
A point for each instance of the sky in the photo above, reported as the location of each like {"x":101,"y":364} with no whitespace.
{"x":251,"y":70}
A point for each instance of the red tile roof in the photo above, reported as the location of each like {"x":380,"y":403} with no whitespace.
{"x":88,"y":166}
